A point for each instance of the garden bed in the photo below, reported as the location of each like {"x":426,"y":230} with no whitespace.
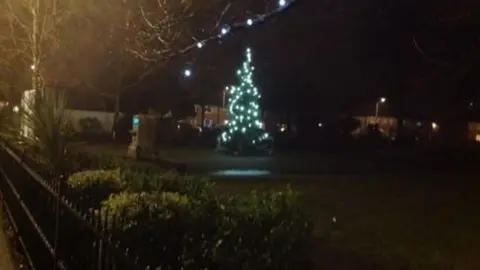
{"x":181,"y":221}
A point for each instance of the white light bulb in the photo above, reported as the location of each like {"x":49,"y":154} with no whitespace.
{"x":200,"y":45}
{"x":282,"y":3}
{"x":187,"y":73}
{"x":249,"y":22}
{"x":224,"y":31}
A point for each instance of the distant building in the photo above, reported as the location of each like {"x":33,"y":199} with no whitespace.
{"x":421,"y":130}
{"x":385,"y":123}
{"x":474,"y":131}
{"x":213,"y":116}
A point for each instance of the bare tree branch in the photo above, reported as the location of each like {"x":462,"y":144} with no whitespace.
{"x":159,"y":57}
{"x":422,"y":53}
{"x":33,"y":32}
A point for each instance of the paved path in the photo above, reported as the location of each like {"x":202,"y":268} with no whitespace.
{"x":6,"y":262}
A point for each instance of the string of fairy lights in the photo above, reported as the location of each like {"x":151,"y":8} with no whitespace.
{"x":227,"y":29}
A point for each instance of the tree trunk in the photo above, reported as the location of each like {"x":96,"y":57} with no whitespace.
{"x":35,"y":46}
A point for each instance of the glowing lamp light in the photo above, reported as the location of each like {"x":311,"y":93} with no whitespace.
{"x":320,"y":124}
{"x":224,"y":30}
{"x":383,"y":100}
{"x":16,"y":109}
{"x":135,"y":121}
{"x":187,"y":73}
{"x":434,"y":126}
{"x":32,"y":67}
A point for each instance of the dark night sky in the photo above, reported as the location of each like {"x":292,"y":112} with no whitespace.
{"x":334,"y":56}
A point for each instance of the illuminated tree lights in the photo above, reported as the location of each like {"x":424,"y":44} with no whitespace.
{"x":227,"y":29}
{"x":244,"y":130}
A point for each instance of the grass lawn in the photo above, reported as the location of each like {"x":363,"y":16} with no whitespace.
{"x":207,"y":160}
{"x":389,"y":222}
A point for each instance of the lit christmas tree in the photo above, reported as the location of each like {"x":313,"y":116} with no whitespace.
{"x":245,"y":132}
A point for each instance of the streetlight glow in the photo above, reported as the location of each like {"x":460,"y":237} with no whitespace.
{"x":377,"y":105}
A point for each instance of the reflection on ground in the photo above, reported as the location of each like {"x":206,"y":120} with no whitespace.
{"x":241,"y":172}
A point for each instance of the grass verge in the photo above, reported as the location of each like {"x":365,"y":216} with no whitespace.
{"x":389,"y":221}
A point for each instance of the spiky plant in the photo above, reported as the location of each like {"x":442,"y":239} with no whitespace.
{"x":46,"y":126}
{"x":9,"y":116}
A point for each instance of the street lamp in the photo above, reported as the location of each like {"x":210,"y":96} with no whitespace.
{"x":224,"y":92}
{"x":377,"y":106}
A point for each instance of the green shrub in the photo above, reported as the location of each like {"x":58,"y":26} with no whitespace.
{"x":82,"y":161}
{"x":267,"y":230}
{"x":176,"y":231}
{"x":98,"y":185}
{"x":170,"y":181}
{"x":152,"y":223}
{"x":90,"y":125}
{"x":91,"y":129}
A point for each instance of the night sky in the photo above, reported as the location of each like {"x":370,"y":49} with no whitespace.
{"x":339,"y":57}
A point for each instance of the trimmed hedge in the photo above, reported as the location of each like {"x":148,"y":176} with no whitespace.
{"x":177,"y":231}
{"x":80,"y":161}
{"x":170,"y":181}
{"x":98,"y":185}
{"x":179,"y":222}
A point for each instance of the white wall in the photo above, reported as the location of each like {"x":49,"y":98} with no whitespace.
{"x":105,"y":118}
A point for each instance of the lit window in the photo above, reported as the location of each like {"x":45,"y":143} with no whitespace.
{"x":208,"y":109}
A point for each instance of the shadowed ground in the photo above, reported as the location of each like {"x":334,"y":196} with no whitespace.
{"x":208,"y":161}
{"x":386,"y":221}
{"x":5,"y":258}
{"x":410,"y":219}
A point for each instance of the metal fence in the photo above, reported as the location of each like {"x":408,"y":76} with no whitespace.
{"x":55,"y":228}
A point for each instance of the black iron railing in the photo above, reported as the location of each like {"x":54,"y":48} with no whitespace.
{"x":55,"y":227}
